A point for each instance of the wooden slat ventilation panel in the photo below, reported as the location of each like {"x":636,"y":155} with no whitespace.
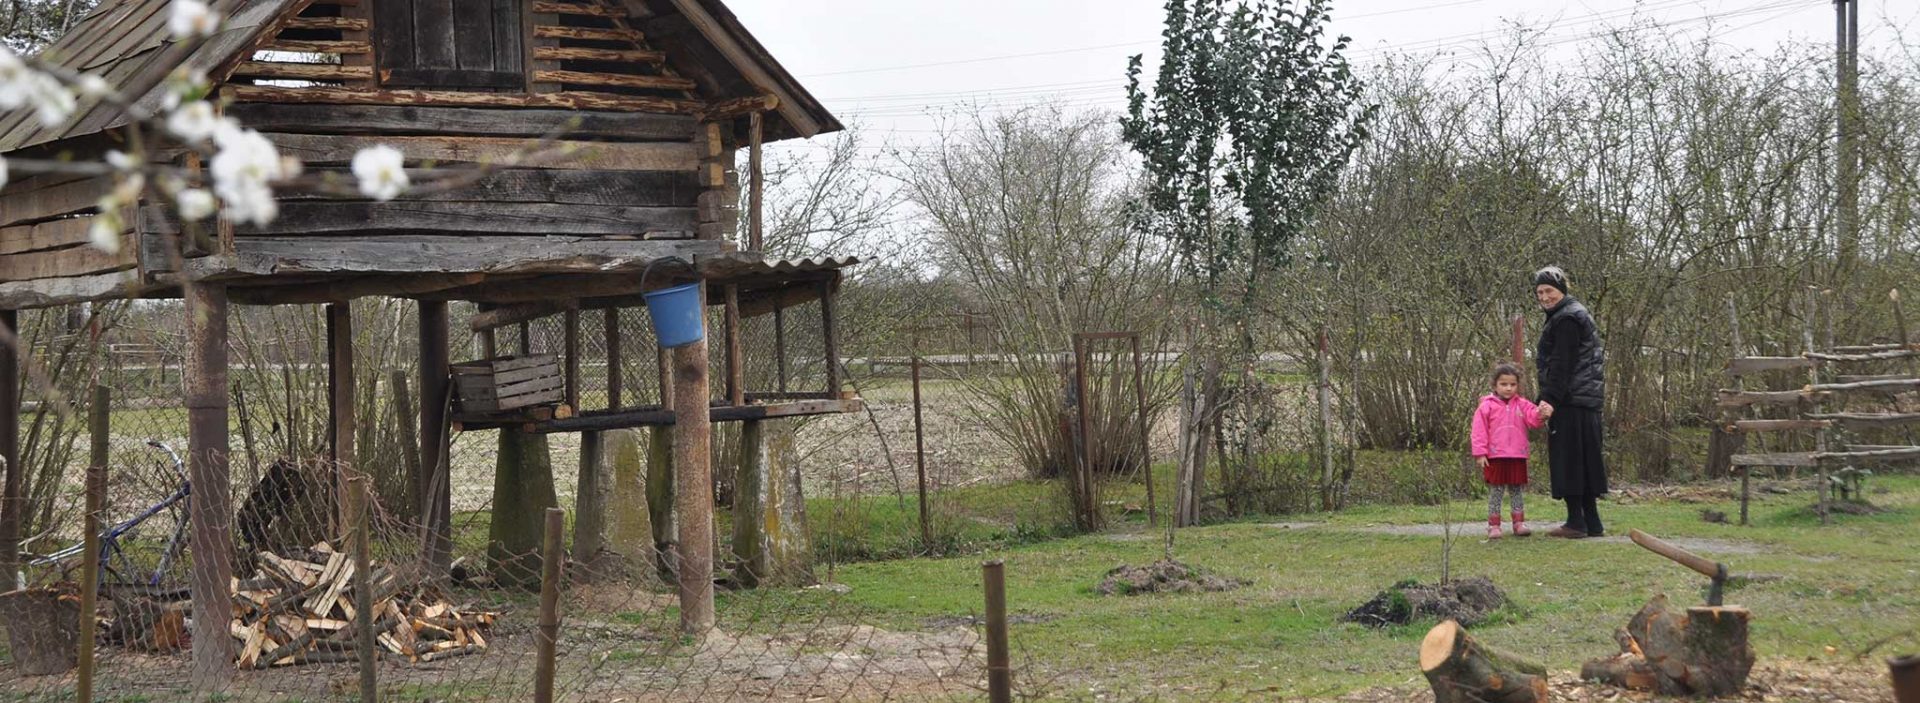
{"x":327,"y":45}
{"x":589,"y":48}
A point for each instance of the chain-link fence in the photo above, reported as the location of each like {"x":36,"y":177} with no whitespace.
{"x":313,"y":608}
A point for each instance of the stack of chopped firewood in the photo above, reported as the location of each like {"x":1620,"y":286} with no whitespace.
{"x":300,"y":609}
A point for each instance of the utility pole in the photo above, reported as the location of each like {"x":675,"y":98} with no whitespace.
{"x":1846,"y":36}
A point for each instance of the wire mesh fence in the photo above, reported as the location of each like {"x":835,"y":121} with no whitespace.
{"x":307,"y":601}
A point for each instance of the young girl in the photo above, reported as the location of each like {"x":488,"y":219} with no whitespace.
{"x":1500,"y":443}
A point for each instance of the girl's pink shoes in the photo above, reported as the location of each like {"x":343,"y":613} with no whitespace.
{"x":1520,"y":525}
{"x":1493,"y":527}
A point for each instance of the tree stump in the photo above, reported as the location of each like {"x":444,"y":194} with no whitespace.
{"x":1462,"y":670}
{"x":1905,"y":672}
{"x":43,"y":630}
{"x":1701,"y":651}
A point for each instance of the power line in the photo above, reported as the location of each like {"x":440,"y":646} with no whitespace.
{"x":1102,"y":47}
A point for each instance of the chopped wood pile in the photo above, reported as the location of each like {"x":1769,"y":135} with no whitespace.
{"x":1699,"y":651}
{"x":300,"y":609}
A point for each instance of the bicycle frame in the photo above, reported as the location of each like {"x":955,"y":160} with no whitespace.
{"x":110,"y":539}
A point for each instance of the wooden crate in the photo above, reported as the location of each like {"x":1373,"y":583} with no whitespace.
{"x":508,"y":383}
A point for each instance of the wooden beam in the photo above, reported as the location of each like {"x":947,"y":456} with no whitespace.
{"x":435,"y":440}
{"x":77,"y":260}
{"x":547,"y":31}
{"x":569,"y":53}
{"x":348,"y":24}
{"x":468,"y":121}
{"x":1788,"y":459}
{"x":1777,"y":425}
{"x":1869,"y":419}
{"x":619,"y":80}
{"x":588,"y":9}
{"x":789,"y":409}
{"x":25,"y":203}
{"x":317,"y":150}
{"x":1867,"y":356}
{"x":298,"y":218}
{"x":1731,"y":398}
{"x":360,"y":287}
{"x":302,"y":71}
{"x":51,"y":234}
{"x":731,"y":108}
{"x":570,"y":357}
{"x":272,"y":256}
{"x":1890,"y":385}
{"x":320,"y":47}
{"x":693,"y":483}
{"x":48,"y":292}
{"x":519,"y":314}
{"x":1759,"y":364}
{"x":575,"y":100}
{"x":208,"y":448}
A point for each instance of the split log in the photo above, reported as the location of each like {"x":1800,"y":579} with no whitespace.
{"x":1701,"y":651}
{"x":1462,"y":670}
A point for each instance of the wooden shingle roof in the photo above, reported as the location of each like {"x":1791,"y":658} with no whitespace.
{"x":127,"y":43}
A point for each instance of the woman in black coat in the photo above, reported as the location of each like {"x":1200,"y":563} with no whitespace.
{"x":1572,"y":373}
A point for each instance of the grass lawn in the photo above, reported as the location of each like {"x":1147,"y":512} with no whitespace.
{"x":1842,"y":586}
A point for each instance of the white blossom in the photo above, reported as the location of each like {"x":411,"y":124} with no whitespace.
{"x":188,"y":19}
{"x":51,"y":100}
{"x":185,"y":85}
{"x":381,"y":170}
{"x":13,"y":76}
{"x":243,"y":168}
{"x":121,"y":160}
{"x":93,"y":86}
{"x":195,"y":204}
{"x":104,"y":233}
{"x":193,"y":122}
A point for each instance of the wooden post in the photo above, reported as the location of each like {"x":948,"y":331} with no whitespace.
{"x":616,"y":384}
{"x":405,"y":420}
{"x":999,"y":668}
{"x":1813,"y":378}
{"x":693,"y":481}
{"x":831,"y":341}
{"x":736,"y":365}
{"x":341,"y":422}
{"x":209,"y":512}
{"x":1085,"y":503}
{"x":99,"y":424}
{"x":570,"y":341}
{"x":1325,"y":391}
{"x":1905,"y":672}
{"x":755,"y":186}
{"x":357,"y":500}
{"x":1739,"y":351}
{"x":661,"y":505}
{"x":526,"y":338}
{"x":920,"y":460}
{"x":436,"y":489}
{"x":11,"y":500}
{"x":548,"y":638}
{"x":1146,"y":441}
{"x":780,"y":345}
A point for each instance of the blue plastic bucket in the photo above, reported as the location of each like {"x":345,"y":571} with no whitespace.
{"x":677,"y":319}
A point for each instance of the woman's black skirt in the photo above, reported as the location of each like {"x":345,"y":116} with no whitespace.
{"x":1574,"y":457}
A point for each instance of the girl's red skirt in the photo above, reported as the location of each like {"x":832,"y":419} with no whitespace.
{"x":1506,"y":472}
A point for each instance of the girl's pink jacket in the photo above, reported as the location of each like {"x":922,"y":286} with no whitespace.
{"x":1500,"y":427}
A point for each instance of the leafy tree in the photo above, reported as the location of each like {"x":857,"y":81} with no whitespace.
{"x":1252,"y":117}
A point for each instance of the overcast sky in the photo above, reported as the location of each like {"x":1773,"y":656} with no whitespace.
{"x":887,"y":64}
